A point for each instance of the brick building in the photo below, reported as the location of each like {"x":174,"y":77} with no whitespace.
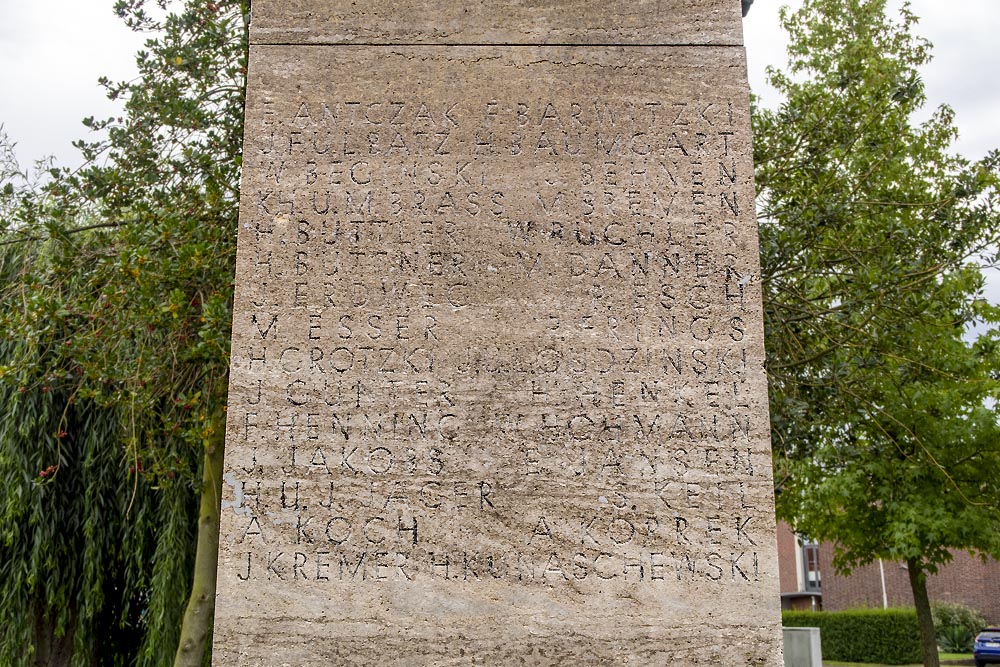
{"x":808,"y":581}
{"x":799,"y":571}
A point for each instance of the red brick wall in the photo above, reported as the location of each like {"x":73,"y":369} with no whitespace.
{"x":787,"y":575}
{"x":803,"y":604}
{"x":966,"y":580}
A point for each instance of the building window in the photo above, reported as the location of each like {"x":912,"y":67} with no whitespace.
{"x":810,"y":562}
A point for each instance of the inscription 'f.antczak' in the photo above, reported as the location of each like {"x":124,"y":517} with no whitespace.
{"x":497,"y":385}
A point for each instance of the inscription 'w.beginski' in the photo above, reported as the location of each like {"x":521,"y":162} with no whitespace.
{"x":497,"y":379}
{"x":369,"y":231}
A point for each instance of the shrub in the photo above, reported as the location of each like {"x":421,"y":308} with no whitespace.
{"x":956,"y":639}
{"x":956,"y":626}
{"x":886,"y":636}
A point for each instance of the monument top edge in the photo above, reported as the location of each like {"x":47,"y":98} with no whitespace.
{"x":498,"y":23}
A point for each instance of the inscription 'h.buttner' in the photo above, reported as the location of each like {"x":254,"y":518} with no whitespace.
{"x":497,"y":358}
{"x":368,"y":219}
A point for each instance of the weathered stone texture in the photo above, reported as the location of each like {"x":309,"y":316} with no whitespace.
{"x":525,"y":22}
{"x":497,"y":387}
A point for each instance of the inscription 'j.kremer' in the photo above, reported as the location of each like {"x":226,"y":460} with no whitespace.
{"x":497,"y":367}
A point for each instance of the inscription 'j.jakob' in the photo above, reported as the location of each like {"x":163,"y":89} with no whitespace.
{"x":497,"y":360}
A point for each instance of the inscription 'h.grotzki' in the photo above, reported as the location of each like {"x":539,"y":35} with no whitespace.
{"x":633,"y":379}
{"x":497,"y":357}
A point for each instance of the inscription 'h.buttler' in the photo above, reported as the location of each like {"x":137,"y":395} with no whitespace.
{"x":393,"y":190}
{"x":497,"y":362}
{"x":387,"y":444}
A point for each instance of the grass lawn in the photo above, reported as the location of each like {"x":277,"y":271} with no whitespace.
{"x":946,"y":658}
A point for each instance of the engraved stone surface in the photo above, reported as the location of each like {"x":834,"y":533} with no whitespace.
{"x":497,"y":369}
{"x":525,"y":22}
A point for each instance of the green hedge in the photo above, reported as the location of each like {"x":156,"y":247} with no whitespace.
{"x":886,"y":636}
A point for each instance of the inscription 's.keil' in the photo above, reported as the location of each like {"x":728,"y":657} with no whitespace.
{"x":497,"y":386}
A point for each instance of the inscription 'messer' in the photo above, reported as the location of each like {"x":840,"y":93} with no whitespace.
{"x":497,"y":355}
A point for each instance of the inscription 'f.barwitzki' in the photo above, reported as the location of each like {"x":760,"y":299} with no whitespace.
{"x":497,"y":386}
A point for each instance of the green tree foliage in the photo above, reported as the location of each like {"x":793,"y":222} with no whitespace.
{"x":115,"y":304}
{"x":116,"y":309}
{"x":95,"y":559}
{"x":873,"y":235}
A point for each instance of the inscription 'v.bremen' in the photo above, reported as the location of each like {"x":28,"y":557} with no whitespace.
{"x":497,"y":368}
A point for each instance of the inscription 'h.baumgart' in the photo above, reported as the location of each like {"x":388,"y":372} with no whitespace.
{"x":497,"y":348}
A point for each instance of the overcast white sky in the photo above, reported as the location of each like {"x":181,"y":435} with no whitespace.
{"x":53,"y":51}
{"x":964,"y":72}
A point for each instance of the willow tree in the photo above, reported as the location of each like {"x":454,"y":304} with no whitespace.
{"x":116,"y":312}
{"x":873,"y":238}
{"x":116,"y":307}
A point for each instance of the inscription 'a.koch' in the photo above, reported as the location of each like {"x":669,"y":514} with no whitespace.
{"x":497,"y":348}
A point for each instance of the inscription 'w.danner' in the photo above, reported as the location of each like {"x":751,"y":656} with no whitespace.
{"x":497,"y":368}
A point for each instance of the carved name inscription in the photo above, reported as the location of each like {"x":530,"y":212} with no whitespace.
{"x":497,"y":359}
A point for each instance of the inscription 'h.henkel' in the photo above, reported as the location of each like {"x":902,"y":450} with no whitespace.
{"x":497,"y":387}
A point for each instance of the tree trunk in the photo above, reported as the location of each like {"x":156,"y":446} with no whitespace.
{"x":200,"y":613}
{"x":51,"y":650}
{"x":928,"y":638}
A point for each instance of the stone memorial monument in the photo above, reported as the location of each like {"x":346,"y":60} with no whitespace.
{"x":497,"y":368}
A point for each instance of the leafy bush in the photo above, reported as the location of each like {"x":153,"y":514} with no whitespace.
{"x":886,"y":636}
{"x":956,"y":639}
{"x":956,"y":626}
